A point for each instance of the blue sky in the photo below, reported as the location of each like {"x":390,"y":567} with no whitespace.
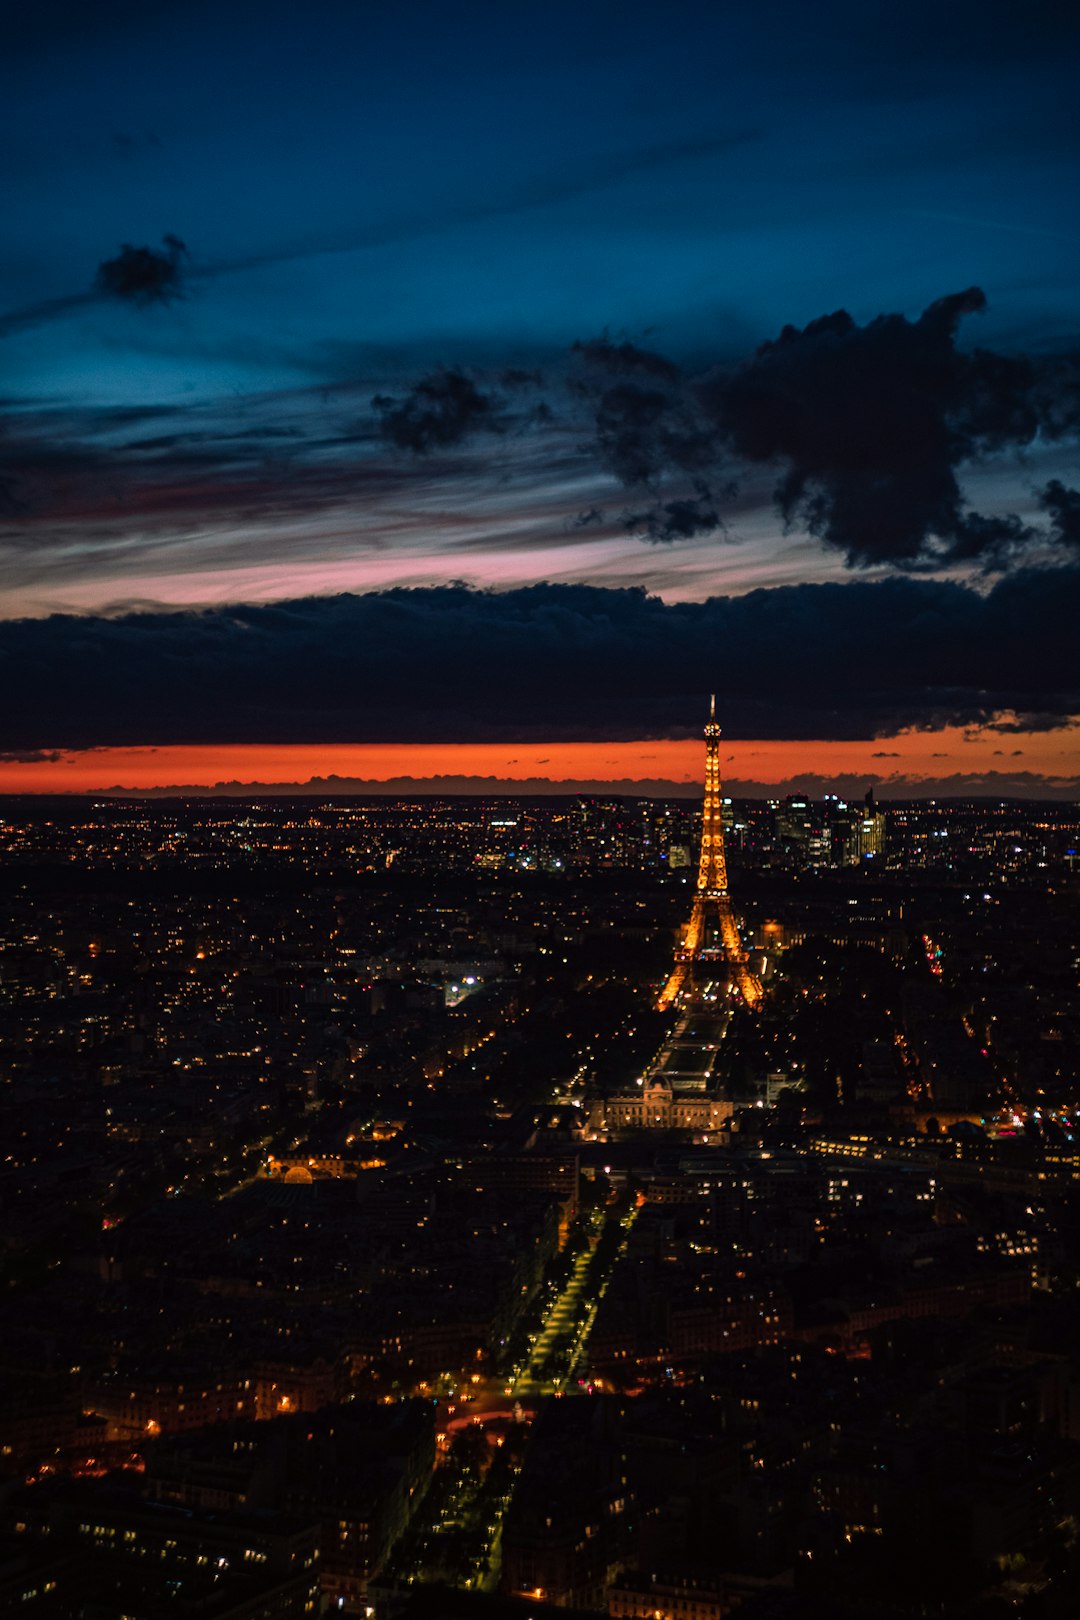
{"x":364,"y":187}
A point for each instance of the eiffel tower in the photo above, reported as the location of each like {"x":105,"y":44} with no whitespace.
{"x":712,"y":933}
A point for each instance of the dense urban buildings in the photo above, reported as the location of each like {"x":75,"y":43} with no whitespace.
{"x":379,"y":1237}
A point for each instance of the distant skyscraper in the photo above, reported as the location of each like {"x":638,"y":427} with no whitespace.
{"x":870,"y":831}
{"x":793,"y":821}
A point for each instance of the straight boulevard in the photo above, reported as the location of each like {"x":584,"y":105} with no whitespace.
{"x":458,"y":1532}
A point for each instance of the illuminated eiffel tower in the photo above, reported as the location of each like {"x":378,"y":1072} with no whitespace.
{"x":711,"y":933}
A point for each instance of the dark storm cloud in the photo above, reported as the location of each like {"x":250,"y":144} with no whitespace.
{"x":679,"y":519}
{"x":550,"y":662}
{"x":868,"y":426}
{"x":439,"y":412}
{"x":1029,"y":721}
{"x":591,"y":518}
{"x":873,"y":423}
{"x":625,"y":359}
{"x":1063,"y":506}
{"x":993,"y":542}
{"x":141,"y":276}
{"x":643,"y":432}
{"x":144,"y":275}
{"x":647,"y":420}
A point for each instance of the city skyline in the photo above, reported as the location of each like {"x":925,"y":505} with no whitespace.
{"x":390,"y":1228}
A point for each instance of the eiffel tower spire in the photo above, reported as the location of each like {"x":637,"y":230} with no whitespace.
{"x":711,"y":916}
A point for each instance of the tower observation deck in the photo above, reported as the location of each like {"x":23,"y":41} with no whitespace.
{"x":712,"y":933}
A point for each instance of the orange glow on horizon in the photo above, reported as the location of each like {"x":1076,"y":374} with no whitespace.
{"x":914,"y":755}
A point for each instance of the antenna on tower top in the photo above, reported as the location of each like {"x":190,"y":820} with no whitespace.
{"x":712,"y":705}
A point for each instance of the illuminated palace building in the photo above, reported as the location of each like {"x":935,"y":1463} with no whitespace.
{"x":683,"y":1090}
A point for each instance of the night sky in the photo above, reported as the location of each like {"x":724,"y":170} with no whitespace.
{"x":463,"y":392}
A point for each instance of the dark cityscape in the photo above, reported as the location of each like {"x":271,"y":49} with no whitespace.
{"x":373,"y":1223}
{"x":540,"y":810}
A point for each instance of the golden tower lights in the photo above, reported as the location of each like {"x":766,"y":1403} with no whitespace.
{"x":711,"y":897}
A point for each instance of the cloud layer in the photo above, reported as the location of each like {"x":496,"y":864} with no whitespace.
{"x":548,"y":662}
{"x":888,"y":442}
{"x":969,"y":785}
